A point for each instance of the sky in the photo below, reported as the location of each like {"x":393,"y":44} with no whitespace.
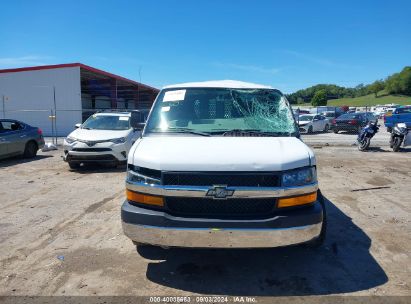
{"x":289,"y":44}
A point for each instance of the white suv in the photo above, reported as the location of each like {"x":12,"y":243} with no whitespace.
{"x":103,"y":137}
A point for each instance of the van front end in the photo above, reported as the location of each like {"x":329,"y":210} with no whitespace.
{"x":220,"y":164}
{"x":219,"y":216}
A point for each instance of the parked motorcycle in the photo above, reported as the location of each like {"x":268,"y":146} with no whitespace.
{"x":365,"y":135}
{"x":399,"y":135}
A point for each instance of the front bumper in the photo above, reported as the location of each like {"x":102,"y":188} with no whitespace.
{"x":40,"y":142}
{"x":287,"y":227}
{"x":348,"y":128}
{"x":100,"y":152}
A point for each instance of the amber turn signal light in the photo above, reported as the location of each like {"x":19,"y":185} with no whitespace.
{"x":297,"y":200}
{"x":144,"y":199}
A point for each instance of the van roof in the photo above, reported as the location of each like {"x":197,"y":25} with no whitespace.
{"x":231,"y":84}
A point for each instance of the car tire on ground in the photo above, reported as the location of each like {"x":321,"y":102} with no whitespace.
{"x":310,"y":130}
{"x":73,"y":165}
{"x":321,"y":238}
{"x":327,"y":127}
{"x":335,"y":131}
{"x":30,"y":150}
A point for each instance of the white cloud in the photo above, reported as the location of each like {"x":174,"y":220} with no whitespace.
{"x":30,"y":60}
{"x":248,"y":68}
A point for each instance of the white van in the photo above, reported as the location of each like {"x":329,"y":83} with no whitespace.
{"x":220,"y":164}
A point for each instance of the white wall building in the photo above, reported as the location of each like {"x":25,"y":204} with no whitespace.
{"x":71,"y":92}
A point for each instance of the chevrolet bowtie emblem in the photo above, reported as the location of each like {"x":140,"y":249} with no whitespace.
{"x":220,"y":192}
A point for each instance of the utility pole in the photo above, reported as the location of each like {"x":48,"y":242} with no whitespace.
{"x":4,"y":106}
{"x":55,"y":111}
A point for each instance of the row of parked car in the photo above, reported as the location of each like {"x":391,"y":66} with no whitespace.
{"x":325,"y":121}
{"x":103,"y":137}
{"x":107,"y":136}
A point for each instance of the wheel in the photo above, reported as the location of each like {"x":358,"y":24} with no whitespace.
{"x":364,"y":144}
{"x":327,"y":127}
{"x":321,"y":238}
{"x":73,"y":165}
{"x":30,"y":150}
{"x":335,"y":131}
{"x":310,"y":130}
{"x":396,"y":144}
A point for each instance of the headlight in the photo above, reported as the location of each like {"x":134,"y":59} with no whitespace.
{"x":401,"y":125}
{"x":299,"y":177}
{"x":120,"y":140}
{"x":70,"y":140}
{"x":139,"y":178}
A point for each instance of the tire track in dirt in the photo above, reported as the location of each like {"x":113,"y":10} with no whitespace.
{"x":58,"y":228}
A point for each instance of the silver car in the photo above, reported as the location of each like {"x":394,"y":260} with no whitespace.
{"x":19,"y":138}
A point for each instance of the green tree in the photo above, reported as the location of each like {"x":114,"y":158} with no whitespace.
{"x":319,"y":98}
{"x":399,"y":83}
{"x":376,"y":86}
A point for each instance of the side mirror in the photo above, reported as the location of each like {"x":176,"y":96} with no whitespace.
{"x":77,"y":125}
{"x":137,"y":120}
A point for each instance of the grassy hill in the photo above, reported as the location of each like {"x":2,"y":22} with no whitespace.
{"x":370,"y":100}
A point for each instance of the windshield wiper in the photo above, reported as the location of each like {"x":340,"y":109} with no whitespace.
{"x":183,"y":130}
{"x":251,"y":131}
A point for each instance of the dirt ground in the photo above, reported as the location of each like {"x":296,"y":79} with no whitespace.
{"x":60,"y":234}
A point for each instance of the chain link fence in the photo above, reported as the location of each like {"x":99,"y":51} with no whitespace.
{"x":317,"y":126}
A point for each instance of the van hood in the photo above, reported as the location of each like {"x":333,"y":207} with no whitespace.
{"x":96,"y":135}
{"x":197,"y":153}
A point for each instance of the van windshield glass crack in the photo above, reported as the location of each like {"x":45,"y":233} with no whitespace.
{"x":216,"y":111}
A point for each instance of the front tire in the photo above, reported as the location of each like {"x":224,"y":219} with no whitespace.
{"x":396,"y":145}
{"x":327,"y":127}
{"x":310,"y":130}
{"x":73,"y":165}
{"x":364,"y":144}
{"x":30,"y":150}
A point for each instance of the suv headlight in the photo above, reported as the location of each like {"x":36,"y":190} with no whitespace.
{"x":299,"y":177}
{"x":120,"y":140}
{"x":135,"y":177}
{"x":70,"y":140}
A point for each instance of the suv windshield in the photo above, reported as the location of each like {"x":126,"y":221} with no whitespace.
{"x":219,"y":110}
{"x":107,"y":122}
{"x":306,"y":117}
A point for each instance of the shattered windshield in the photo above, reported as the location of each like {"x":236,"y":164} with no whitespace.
{"x":218,"y":110}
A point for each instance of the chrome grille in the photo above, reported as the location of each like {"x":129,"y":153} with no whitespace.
{"x":240,"y":179}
